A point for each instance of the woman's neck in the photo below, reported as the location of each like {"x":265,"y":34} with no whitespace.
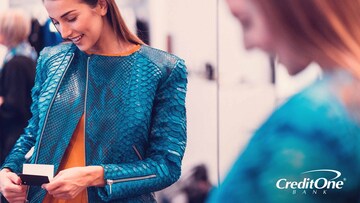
{"x":110,"y":43}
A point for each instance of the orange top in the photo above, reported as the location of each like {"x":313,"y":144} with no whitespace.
{"x":73,"y":157}
{"x":128,"y":52}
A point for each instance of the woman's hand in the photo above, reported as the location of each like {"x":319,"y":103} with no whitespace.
{"x":10,"y":186}
{"x":67,"y":184}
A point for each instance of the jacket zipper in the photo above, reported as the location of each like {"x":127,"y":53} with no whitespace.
{"x":137,"y":152}
{"x":47,"y":115}
{"x":110,"y":182}
{"x":85,"y":107}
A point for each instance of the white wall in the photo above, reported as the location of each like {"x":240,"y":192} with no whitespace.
{"x":158,"y":23}
{"x":4,"y":4}
{"x":191,"y":25}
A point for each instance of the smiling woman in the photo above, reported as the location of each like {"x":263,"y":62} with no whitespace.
{"x":102,"y":35}
{"x":108,"y":112}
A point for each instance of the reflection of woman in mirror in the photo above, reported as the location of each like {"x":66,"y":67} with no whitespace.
{"x":309,"y":149}
{"x":108,"y":112}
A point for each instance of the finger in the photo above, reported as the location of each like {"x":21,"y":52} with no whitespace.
{"x":44,"y":186}
{"x":66,"y":192}
{"x":60,"y":190}
{"x":58,"y":176}
{"x":53,"y":185}
{"x":17,"y":199}
{"x":14,"y":197}
{"x":16,"y":189}
{"x":14,"y":178}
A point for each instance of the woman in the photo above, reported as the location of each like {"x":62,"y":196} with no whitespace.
{"x":108,"y":112}
{"x":16,"y":78}
{"x":308,"y":150}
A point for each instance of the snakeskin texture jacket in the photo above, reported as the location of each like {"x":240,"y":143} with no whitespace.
{"x":135,"y":119}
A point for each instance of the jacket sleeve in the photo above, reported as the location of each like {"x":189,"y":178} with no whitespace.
{"x":167,"y":140}
{"x":16,"y":157}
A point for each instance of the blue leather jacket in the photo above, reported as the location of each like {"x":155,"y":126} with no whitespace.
{"x":135,"y":119}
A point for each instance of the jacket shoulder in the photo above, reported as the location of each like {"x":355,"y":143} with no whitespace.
{"x":158,"y":57}
{"x":163,"y":61}
{"x":49,"y":52}
{"x":52,"y":57}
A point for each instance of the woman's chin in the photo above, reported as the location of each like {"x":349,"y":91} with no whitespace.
{"x":294,"y":68}
{"x":83,"y":48}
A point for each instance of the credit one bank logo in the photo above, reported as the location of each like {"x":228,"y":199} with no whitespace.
{"x":314,"y":185}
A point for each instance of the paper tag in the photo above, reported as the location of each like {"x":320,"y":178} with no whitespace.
{"x":39,"y":169}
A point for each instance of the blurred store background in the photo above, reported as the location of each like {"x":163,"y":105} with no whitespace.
{"x":221,"y":118}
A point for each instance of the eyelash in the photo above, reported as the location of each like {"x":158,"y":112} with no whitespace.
{"x":69,"y":20}
{"x":72,"y":19}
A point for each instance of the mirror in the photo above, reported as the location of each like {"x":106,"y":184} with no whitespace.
{"x":252,"y":86}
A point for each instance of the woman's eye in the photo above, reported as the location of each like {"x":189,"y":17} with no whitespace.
{"x":71,"y":19}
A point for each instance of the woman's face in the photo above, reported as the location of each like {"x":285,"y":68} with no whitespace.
{"x":77,"y":21}
{"x":258,"y":34}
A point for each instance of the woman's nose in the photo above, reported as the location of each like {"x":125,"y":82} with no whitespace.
{"x":65,"y":31}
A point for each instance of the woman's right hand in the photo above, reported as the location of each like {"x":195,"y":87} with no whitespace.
{"x":10,"y":186}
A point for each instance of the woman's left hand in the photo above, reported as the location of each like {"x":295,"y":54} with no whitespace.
{"x":68,"y":183}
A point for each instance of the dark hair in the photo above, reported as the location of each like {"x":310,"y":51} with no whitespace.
{"x":117,"y":22}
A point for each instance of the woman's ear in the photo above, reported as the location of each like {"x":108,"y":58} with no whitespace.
{"x":102,"y":7}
